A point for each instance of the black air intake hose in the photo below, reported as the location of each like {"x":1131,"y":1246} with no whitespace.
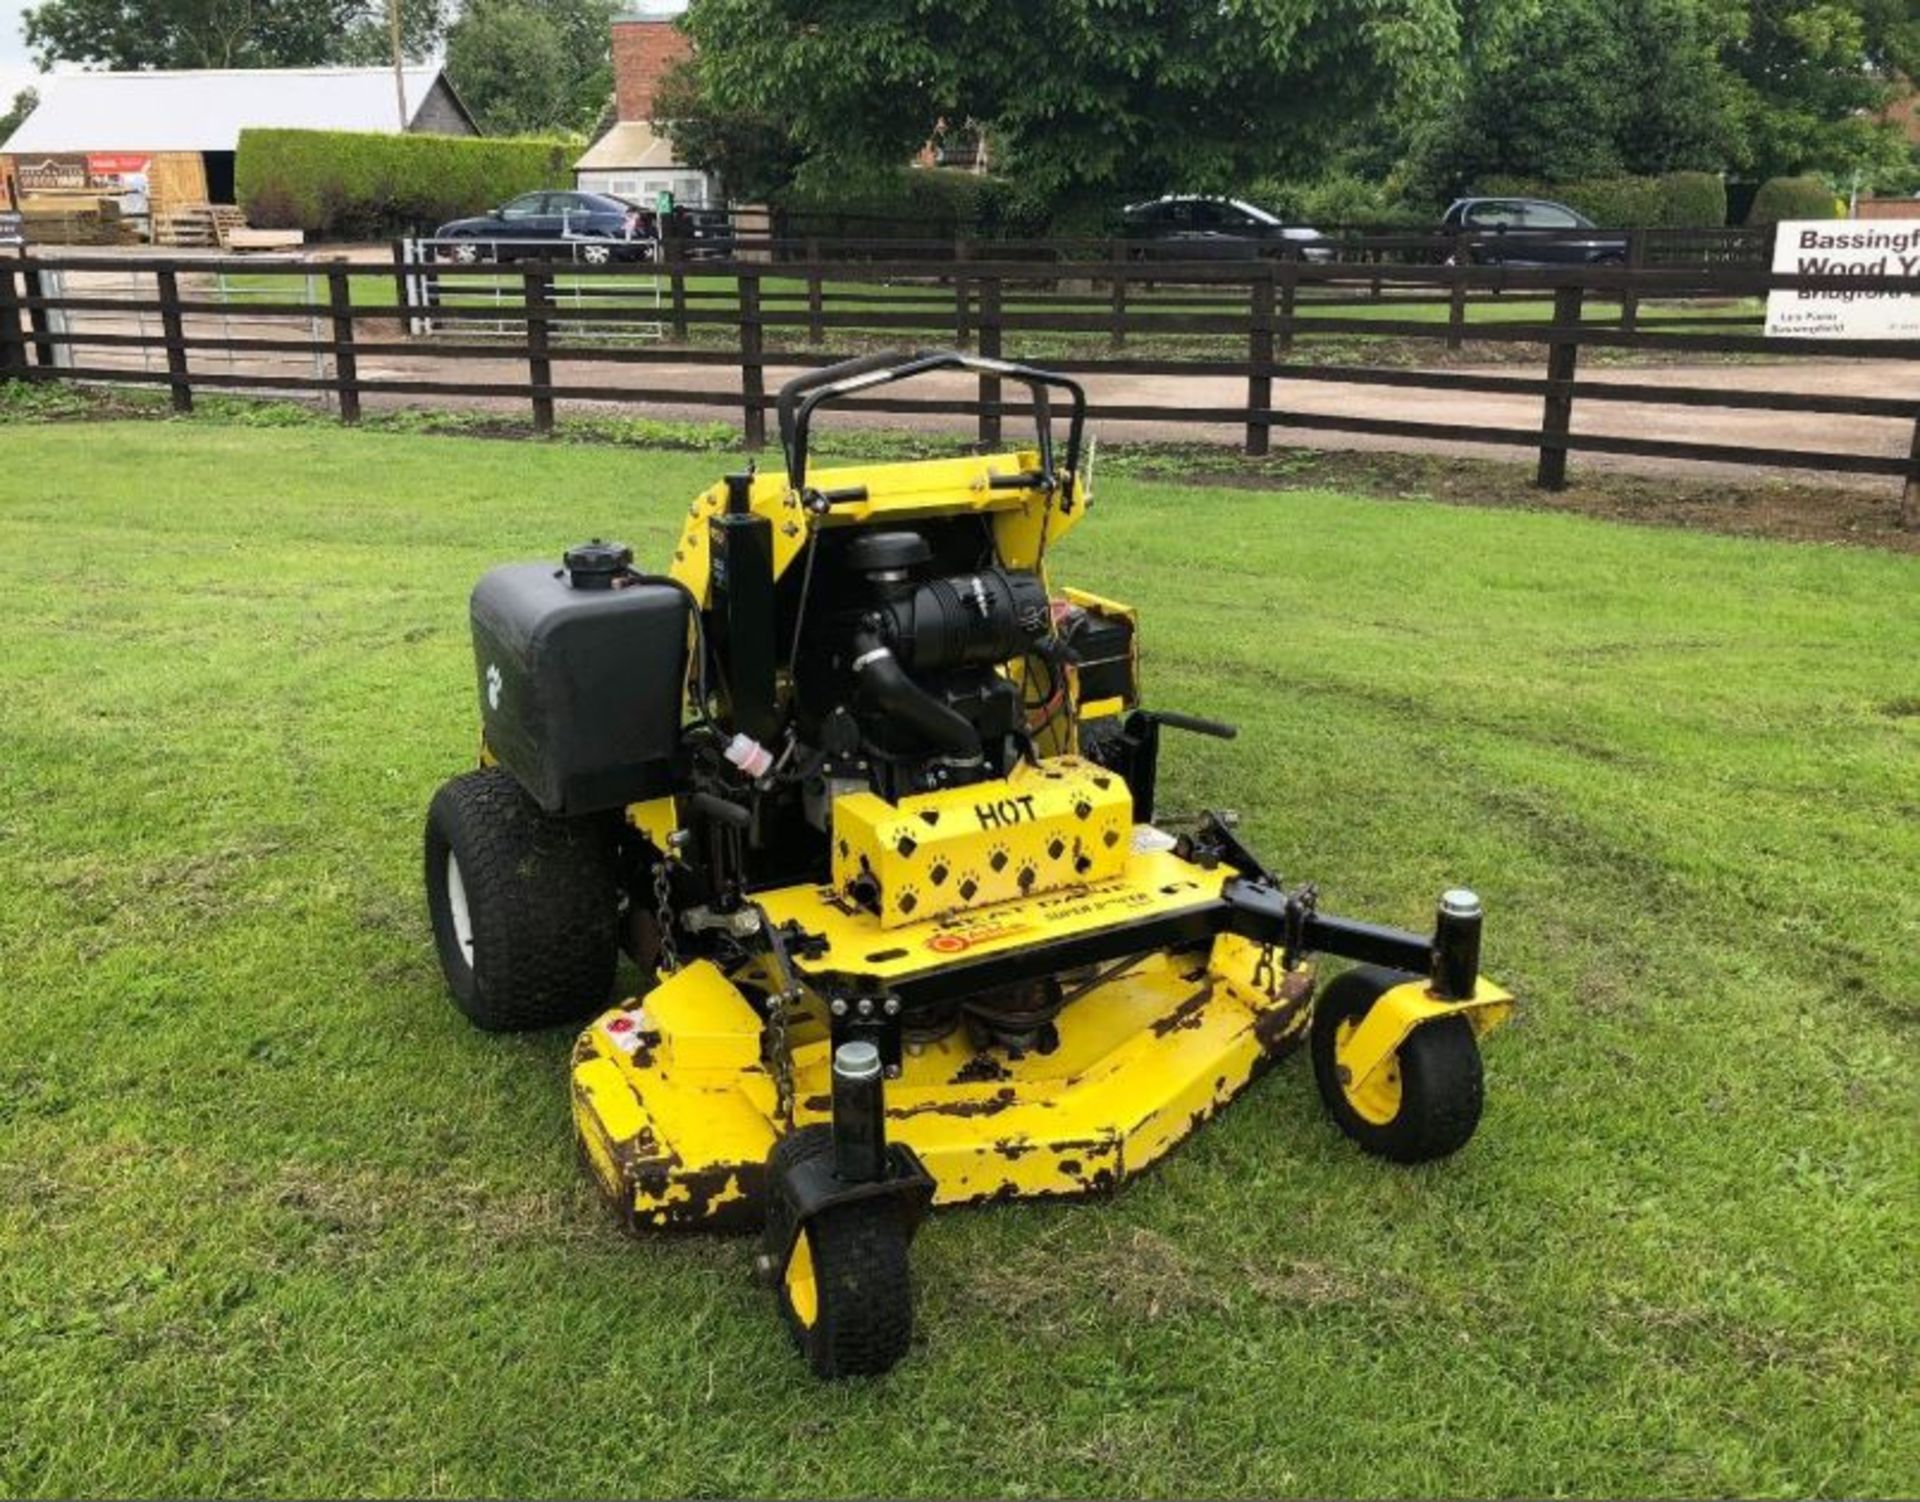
{"x":886,"y":683}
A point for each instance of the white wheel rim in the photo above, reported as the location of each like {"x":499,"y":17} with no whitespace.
{"x":458,"y":911}
{"x":467,"y":253}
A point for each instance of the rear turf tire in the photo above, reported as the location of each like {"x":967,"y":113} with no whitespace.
{"x":846,"y":1292}
{"x":524,"y":906}
{"x":1433,"y":1091}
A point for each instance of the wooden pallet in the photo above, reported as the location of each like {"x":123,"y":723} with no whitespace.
{"x":203,"y":225}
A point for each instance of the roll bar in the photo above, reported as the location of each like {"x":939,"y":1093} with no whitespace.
{"x":803,"y":394}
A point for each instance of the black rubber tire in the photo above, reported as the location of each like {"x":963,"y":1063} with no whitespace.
{"x":1441,"y":1088}
{"x":542,"y":902}
{"x":863,"y":1324}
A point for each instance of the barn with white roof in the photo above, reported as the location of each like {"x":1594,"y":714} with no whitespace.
{"x":160,"y":141}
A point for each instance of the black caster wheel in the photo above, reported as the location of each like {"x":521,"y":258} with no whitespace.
{"x":1422,"y":1103}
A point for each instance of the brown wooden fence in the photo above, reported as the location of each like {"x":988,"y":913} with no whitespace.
{"x":1262,"y":324}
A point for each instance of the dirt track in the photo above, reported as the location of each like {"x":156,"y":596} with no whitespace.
{"x":1760,"y":430}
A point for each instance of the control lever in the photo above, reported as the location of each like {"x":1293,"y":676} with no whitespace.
{"x":1218,"y":729}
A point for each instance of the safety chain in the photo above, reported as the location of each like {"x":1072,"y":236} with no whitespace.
{"x":780,"y":1058}
{"x":668,"y":960}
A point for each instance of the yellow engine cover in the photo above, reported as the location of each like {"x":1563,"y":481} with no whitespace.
{"x":1063,"y":823}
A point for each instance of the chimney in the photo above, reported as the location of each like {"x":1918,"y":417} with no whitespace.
{"x":645,"y":46}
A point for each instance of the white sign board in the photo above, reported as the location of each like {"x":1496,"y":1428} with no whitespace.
{"x":1845,"y":247}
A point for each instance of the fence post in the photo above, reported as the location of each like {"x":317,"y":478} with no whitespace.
{"x":1556,"y":418}
{"x":1457,"y":293}
{"x":402,"y":299}
{"x":1289,"y":299}
{"x":346,"y":364}
{"x":13,"y":344}
{"x":673,"y":251}
{"x":1117,"y":333}
{"x":537,"y":297}
{"x":1260,"y":363}
{"x":962,"y":289}
{"x":1630,"y":291}
{"x":1910,"y":496}
{"x":990,"y":348}
{"x":40,"y":318}
{"x":753,"y":375}
{"x":816,"y":295}
{"x":173,"y":332}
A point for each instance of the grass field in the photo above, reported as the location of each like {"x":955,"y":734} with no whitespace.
{"x":272,"y":1219}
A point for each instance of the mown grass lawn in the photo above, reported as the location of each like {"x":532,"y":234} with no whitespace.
{"x":273,"y":1219}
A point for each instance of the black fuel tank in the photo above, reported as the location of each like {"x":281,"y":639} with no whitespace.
{"x":580,"y":689}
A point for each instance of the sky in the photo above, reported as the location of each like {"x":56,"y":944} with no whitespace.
{"x":16,"y":71}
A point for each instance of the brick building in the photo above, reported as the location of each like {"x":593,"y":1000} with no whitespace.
{"x":633,"y":160}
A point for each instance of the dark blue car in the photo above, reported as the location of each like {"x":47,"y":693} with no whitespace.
{"x":552,"y":226}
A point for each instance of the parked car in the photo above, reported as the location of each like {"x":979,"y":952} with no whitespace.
{"x":1532,"y":232}
{"x":532,"y":226}
{"x":1186,"y":227}
{"x":705,"y":234}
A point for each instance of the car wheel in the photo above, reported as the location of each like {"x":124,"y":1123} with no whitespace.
{"x":596,"y":254}
{"x":467,"y":253}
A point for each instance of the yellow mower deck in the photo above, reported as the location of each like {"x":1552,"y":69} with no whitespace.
{"x":675,"y":1108}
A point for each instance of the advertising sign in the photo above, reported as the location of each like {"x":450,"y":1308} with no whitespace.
{"x":1845,"y":247}
{"x":51,"y":174}
{"x":13,"y":228}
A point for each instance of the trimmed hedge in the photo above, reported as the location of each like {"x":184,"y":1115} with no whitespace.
{"x":1676,"y":200}
{"x":910,"y":203}
{"x":1336,"y":201}
{"x":342,"y":184}
{"x":1793,"y":198}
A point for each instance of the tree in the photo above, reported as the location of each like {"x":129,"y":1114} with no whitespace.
{"x":1082,"y":99}
{"x":1810,"y":74}
{"x":129,"y":34}
{"x":523,"y":66}
{"x":1588,"y":88}
{"x":24,"y":103}
{"x":754,"y":157}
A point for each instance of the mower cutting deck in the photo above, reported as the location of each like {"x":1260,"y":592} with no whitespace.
{"x":872,"y":805}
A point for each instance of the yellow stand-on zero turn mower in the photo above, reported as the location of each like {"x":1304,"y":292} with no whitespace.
{"x":871,"y":802}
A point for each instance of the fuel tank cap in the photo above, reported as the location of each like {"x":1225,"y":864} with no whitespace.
{"x":596,"y":564}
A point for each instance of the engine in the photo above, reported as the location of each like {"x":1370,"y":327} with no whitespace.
{"x":902,"y":681}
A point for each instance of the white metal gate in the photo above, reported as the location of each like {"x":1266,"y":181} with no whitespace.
{"x":471,"y":287}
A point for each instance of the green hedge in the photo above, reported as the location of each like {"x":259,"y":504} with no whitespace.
{"x":910,"y":203}
{"x":340,"y":184}
{"x":1335,"y":201}
{"x":1793,"y":198}
{"x":1677,"y":200}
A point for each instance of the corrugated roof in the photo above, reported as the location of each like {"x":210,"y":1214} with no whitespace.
{"x":631,"y":143}
{"x":205,"y":110}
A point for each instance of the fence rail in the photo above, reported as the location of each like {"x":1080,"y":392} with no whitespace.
{"x":1258,"y":323}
